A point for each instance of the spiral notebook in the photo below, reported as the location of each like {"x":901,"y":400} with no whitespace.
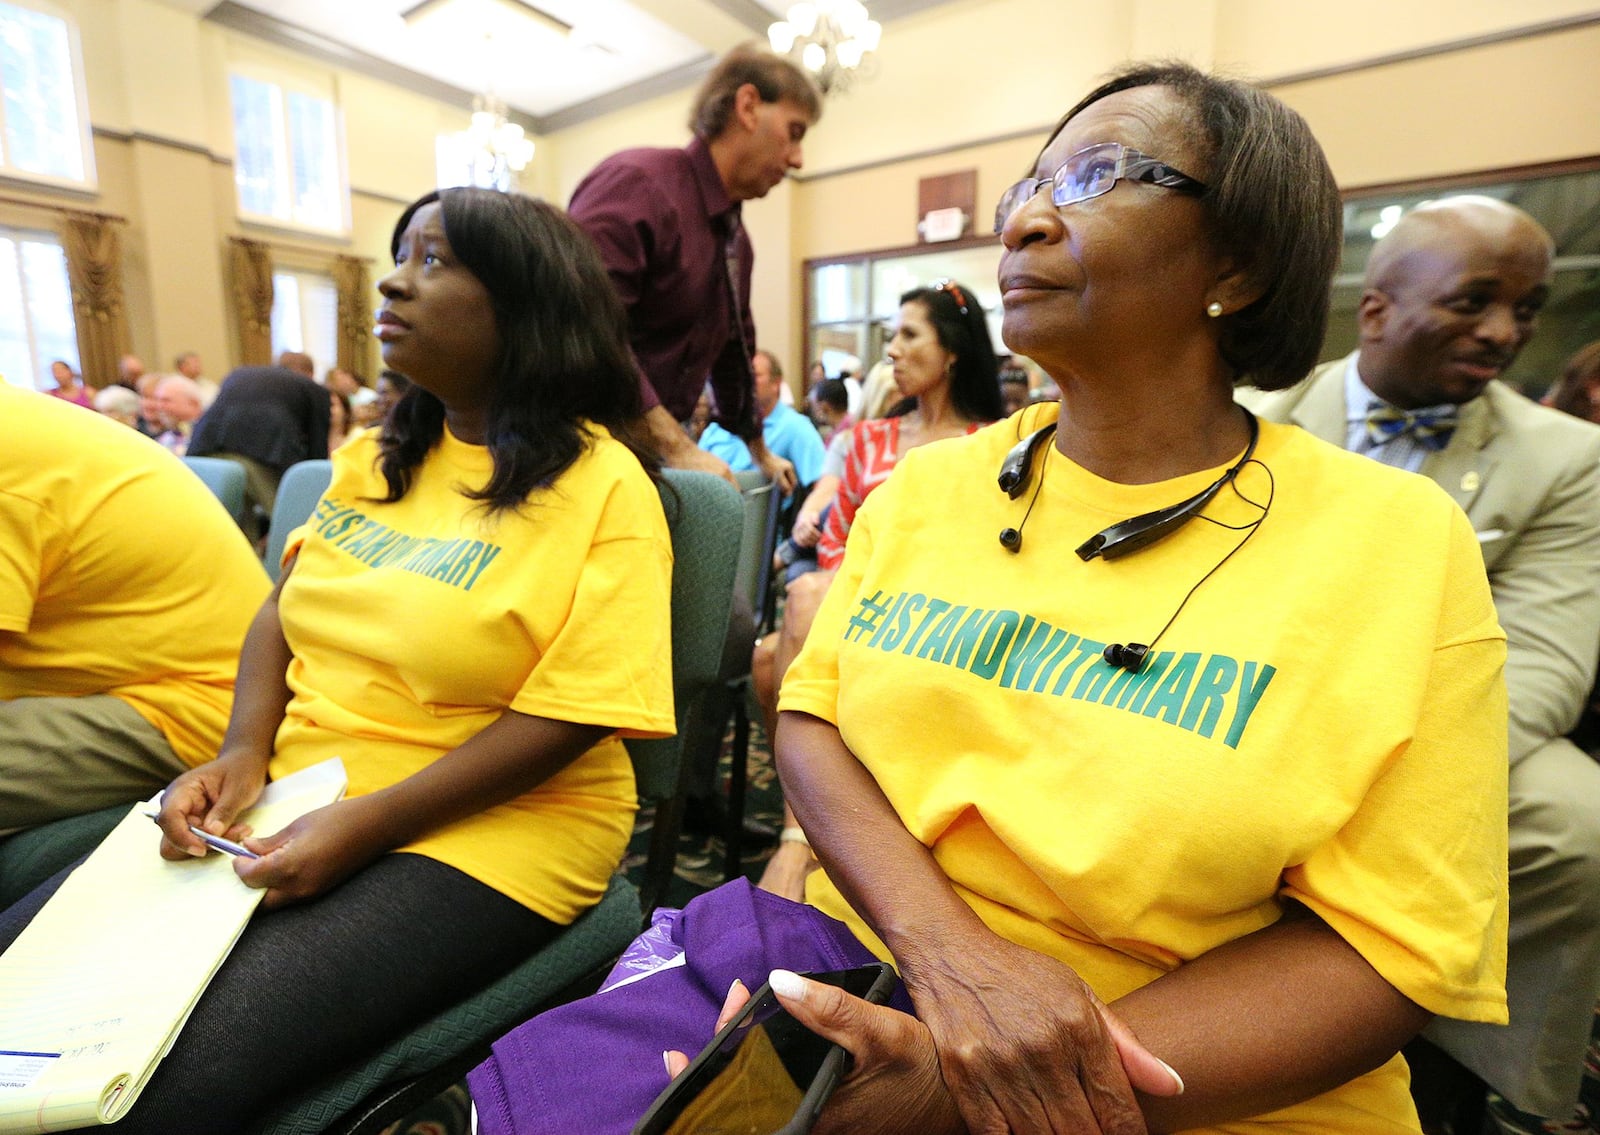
{"x":95,"y":990}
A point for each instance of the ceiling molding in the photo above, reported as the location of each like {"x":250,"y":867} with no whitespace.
{"x":248,"y":21}
{"x":665,"y":83}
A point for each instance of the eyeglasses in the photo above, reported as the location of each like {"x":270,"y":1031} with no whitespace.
{"x":1090,"y":172}
{"x":953,"y":290}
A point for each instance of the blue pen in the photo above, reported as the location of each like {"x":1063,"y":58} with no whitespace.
{"x":216,"y":841}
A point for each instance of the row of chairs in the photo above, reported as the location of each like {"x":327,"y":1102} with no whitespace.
{"x":706,"y":518}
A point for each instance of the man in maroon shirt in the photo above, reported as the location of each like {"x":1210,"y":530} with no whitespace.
{"x":667,"y":225}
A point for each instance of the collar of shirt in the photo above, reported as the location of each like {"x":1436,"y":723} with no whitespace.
{"x":1403,"y":451}
{"x":713,"y":194}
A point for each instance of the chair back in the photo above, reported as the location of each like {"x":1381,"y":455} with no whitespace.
{"x":705,"y":518}
{"x":704,"y":514}
{"x":762,"y":506}
{"x":302,"y":486}
{"x":225,"y":479}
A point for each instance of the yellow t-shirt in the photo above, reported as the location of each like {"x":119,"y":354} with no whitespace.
{"x":120,"y":573}
{"x":1325,"y":720}
{"x":416,"y":624}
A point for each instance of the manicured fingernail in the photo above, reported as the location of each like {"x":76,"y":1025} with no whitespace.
{"x":666,"y":1062}
{"x":737,"y":984}
{"x":786,"y":983}
{"x":1173,"y":1072}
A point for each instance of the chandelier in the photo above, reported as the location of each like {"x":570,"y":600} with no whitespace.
{"x":492,"y":150}
{"x":829,"y":38}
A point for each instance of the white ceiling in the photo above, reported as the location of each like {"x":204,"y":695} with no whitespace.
{"x":618,"y":51}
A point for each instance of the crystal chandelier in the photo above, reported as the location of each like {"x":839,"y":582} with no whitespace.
{"x":493,"y":148}
{"x":829,"y":38}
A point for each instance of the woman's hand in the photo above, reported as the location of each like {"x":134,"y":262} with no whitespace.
{"x":786,"y":872}
{"x":1025,"y":1045}
{"x":313,"y":854}
{"x":893,"y":1088}
{"x":807,"y":527}
{"x":210,"y":797}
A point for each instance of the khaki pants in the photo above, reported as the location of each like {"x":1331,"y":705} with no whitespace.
{"x":1553,"y":960}
{"x":67,"y":756}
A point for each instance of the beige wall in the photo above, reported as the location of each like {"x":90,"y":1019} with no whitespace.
{"x":970,"y":84}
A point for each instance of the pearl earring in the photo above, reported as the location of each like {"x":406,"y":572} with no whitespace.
{"x":1214,"y":308}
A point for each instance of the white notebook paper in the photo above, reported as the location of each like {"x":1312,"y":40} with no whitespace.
{"x":95,"y":990}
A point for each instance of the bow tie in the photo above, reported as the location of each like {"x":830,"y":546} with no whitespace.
{"x":1431,"y":427}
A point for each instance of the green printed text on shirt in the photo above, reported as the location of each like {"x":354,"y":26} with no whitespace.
{"x":457,"y":563}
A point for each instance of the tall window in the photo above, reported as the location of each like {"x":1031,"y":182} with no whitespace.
{"x":36,"y":325}
{"x":287,"y":165}
{"x":43,"y":128}
{"x":305,"y":316}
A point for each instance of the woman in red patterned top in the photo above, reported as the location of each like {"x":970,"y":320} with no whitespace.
{"x":948,"y":376}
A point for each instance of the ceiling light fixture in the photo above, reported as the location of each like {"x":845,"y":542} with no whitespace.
{"x":829,"y":38}
{"x":493,"y":148}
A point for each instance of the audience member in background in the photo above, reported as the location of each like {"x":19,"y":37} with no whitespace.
{"x":667,"y":223}
{"x":150,"y":423}
{"x":119,"y":404}
{"x":68,"y":386}
{"x":830,"y":407}
{"x":475,"y":699}
{"x":356,"y":392}
{"x":877,"y":392}
{"x":264,"y":420}
{"x":340,"y":423}
{"x":947,"y":375}
{"x":786,"y":432}
{"x":189,"y":365}
{"x":178,"y":408}
{"x":1451,"y":294}
{"x":816,"y":374}
{"x":130,"y":369}
{"x":392,"y":386}
{"x":1577,"y":392}
{"x":1013,"y":389}
{"x":117,"y":643}
{"x":1263,"y":849}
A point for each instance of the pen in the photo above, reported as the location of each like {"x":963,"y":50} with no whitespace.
{"x":216,"y":841}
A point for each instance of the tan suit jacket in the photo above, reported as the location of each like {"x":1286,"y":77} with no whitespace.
{"x":1528,"y":478}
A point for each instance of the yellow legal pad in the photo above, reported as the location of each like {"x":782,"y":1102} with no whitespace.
{"x":95,"y":990}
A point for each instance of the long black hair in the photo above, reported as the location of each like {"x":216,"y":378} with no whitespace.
{"x":959,"y":323}
{"x":564,"y":354}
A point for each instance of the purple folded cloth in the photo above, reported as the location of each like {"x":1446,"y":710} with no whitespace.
{"x":594,"y":1065}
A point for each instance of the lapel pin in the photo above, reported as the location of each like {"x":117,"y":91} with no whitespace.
{"x":1470,"y":481}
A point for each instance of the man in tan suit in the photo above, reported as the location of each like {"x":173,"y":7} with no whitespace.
{"x":1451,"y":295}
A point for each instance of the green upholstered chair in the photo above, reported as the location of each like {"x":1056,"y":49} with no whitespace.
{"x":302,"y":486}
{"x":225,"y":479}
{"x":705,"y":515}
{"x":32,"y":856}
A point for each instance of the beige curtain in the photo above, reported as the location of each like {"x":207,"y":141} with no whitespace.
{"x":252,"y":299}
{"x":355,"y":313}
{"x":93,"y":245}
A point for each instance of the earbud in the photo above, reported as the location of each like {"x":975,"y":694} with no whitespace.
{"x":1011,"y":539}
{"x":1129,"y":656}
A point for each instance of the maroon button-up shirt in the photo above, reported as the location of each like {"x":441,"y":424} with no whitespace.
{"x":662,"y":219}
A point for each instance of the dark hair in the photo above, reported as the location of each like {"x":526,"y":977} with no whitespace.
{"x":564,"y":354}
{"x":1272,"y":205}
{"x":1570,"y":394}
{"x":832,"y":392}
{"x":958,"y":321}
{"x":774,"y":78}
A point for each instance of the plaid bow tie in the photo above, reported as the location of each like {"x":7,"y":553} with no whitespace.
{"x":1430,"y":427}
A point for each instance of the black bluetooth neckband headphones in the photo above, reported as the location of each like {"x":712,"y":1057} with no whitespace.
{"x":1126,"y":536}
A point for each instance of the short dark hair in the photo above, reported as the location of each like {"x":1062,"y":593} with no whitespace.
{"x":774,"y":78}
{"x":832,"y":392}
{"x":959,"y":322}
{"x":1271,"y":203}
{"x":1570,"y":394}
{"x":564,"y":356}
